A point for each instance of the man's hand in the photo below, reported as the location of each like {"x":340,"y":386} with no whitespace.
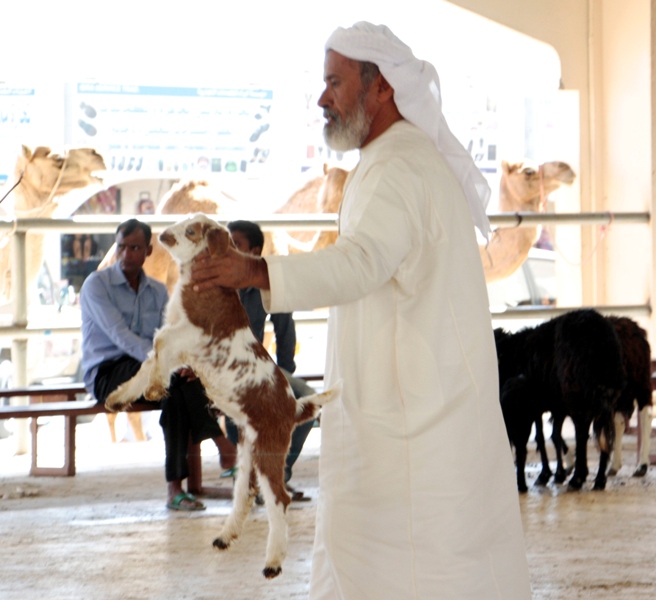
{"x":233,"y":270}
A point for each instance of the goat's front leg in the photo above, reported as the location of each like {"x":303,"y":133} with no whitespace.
{"x":243,"y":495}
{"x":126,"y":393}
{"x":167,"y":359}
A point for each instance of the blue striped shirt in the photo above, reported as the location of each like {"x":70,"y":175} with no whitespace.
{"x":116,"y":320}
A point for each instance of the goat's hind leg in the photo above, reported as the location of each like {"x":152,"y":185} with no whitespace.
{"x":243,"y":496}
{"x":270,"y":471}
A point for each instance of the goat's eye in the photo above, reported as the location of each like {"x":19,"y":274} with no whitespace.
{"x":191,"y":231}
{"x":529,"y":172}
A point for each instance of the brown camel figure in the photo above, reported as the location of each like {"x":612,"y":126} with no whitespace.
{"x":322,"y":194}
{"x":43,"y":177}
{"x":183,"y":198}
{"x":523,"y":188}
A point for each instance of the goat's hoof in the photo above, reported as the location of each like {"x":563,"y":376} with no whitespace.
{"x":522,"y":488}
{"x":271,"y":572}
{"x":612,"y":472}
{"x":599,"y":485}
{"x":641,"y":471}
{"x":155,"y":393}
{"x":220,"y":544}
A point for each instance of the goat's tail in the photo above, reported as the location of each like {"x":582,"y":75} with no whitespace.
{"x":604,"y":426}
{"x":308,"y":407}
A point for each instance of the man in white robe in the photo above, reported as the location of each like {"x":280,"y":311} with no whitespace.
{"x":417,"y":489}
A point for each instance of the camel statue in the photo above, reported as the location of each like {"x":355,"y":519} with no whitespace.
{"x":523,"y":188}
{"x":319,"y":195}
{"x":42,"y":178}
{"x":183,"y":198}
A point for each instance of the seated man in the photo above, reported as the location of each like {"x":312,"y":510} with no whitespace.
{"x":121,"y":309}
{"x":248,"y":238}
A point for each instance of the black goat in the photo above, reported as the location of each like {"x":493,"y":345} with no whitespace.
{"x":569,"y":366}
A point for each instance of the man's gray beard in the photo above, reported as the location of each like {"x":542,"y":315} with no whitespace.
{"x":349,"y":133}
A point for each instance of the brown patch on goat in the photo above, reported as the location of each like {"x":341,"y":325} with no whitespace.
{"x":272,"y":443}
{"x":168,"y":239}
{"x":217,"y":311}
{"x":218,"y":240}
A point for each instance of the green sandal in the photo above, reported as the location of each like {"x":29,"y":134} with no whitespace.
{"x":176,"y":503}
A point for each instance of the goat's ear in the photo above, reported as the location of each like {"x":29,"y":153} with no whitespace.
{"x":218,"y":241}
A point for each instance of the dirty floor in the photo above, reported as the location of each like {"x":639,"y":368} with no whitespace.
{"x":105,"y":533}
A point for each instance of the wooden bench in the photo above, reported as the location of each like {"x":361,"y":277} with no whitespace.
{"x":41,"y":406}
{"x":70,"y":409}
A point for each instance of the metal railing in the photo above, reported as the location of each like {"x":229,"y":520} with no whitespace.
{"x":19,"y":331}
{"x":325,"y":222}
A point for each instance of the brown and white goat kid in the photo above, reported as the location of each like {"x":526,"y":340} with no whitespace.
{"x":209,"y":332}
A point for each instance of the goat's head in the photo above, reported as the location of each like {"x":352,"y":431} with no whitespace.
{"x":193,"y":235}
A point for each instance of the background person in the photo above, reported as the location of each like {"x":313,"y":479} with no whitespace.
{"x":248,"y":238}
{"x":121,"y":309}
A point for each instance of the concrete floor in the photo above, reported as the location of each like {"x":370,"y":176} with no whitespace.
{"x":105,"y":533}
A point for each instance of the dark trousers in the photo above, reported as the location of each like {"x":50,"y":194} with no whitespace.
{"x":185,"y":412}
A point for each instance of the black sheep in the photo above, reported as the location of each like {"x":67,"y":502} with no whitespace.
{"x":569,"y":366}
{"x":636,"y":359}
{"x":636,"y":364}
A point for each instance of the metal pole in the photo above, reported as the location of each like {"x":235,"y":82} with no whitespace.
{"x":19,"y":346}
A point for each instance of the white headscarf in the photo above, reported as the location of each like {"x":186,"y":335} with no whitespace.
{"x":418,"y":97}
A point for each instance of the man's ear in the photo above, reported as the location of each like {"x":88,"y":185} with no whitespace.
{"x":218,"y":241}
{"x":384,"y":89}
{"x":149,"y":250}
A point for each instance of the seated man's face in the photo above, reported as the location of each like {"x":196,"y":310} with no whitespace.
{"x":131,"y":251}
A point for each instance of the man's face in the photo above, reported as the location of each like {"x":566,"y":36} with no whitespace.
{"x":243,"y":245}
{"x":345,"y":102}
{"x":131,"y":252}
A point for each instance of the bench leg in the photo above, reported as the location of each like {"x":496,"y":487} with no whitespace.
{"x":68,"y":470}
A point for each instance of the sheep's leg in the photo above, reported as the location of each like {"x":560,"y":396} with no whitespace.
{"x":128,"y":392}
{"x":616,"y":463}
{"x":644,"y":422}
{"x":582,"y":427}
{"x":243,"y":495}
{"x":559,"y":445}
{"x":600,"y":479}
{"x":520,"y":459}
{"x":270,"y":468}
{"x":545,"y":475}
